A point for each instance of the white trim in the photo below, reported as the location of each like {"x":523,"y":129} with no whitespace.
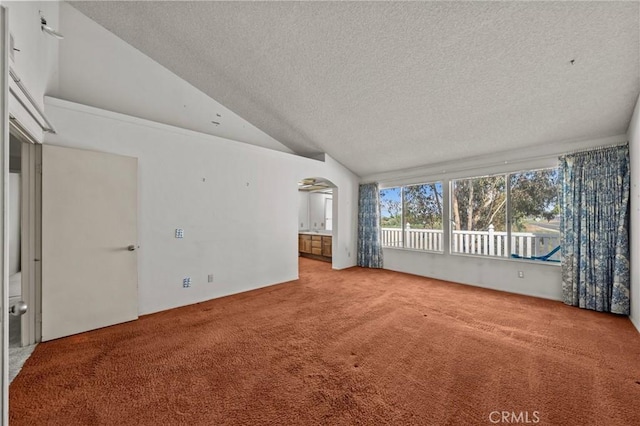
{"x":4,"y":183}
{"x":508,"y":259}
{"x":30,"y":237}
{"x":635,"y":323}
{"x":414,"y":250}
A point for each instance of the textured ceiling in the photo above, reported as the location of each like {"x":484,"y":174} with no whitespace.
{"x":389,"y":85}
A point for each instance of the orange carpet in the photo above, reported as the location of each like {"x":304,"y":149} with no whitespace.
{"x":352,"y":347}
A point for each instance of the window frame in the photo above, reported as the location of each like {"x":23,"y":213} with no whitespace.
{"x":508,"y":216}
{"x":403,"y":222}
{"x":447,"y":177}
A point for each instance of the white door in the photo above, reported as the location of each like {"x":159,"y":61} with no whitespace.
{"x":89,"y":237}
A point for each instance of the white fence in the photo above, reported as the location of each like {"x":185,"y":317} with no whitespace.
{"x":488,"y":243}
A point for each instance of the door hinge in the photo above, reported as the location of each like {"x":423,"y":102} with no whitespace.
{"x":39,"y":169}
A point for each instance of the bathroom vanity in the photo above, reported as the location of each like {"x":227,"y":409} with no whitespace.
{"x":315,"y":245}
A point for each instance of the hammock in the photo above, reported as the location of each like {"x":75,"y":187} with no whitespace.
{"x":545,"y":257}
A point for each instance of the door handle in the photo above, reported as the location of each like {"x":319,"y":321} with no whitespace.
{"x":18,"y":309}
{"x":131,"y":247}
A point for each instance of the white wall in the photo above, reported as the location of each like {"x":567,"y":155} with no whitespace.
{"x":240,"y":222}
{"x":101,"y":70}
{"x":540,"y":279}
{"x":634,"y":148}
{"x":303,"y":210}
{"x":37,"y":61}
{"x":245,"y":235}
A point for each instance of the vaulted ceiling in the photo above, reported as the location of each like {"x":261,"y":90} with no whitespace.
{"x":382,"y":86}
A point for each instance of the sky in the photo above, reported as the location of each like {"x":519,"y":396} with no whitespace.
{"x":393,"y":194}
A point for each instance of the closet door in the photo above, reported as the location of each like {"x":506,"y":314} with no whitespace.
{"x":89,"y":240}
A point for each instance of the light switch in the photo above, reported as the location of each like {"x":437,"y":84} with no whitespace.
{"x":179,"y":233}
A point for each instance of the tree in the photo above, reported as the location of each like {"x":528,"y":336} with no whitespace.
{"x":480,"y":202}
{"x":423,"y":206}
{"x":534,"y":194}
{"x":390,"y":202}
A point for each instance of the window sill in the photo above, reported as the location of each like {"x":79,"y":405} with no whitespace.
{"x":477,"y":256}
{"x":412,"y":250}
{"x":507,"y":259}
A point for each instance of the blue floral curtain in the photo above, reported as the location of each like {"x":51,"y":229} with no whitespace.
{"x":369,"y":246}
{"x":594,"y":228}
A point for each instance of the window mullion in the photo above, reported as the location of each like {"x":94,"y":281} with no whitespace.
{"x":446,"y":216}
{"x":402,"y":218}
{"x":508,"y":214}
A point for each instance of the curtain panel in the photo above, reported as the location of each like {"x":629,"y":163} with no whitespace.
{"x":594,"y":226}
{"x":369,"y":242}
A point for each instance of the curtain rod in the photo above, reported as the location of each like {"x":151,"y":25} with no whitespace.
{"x":419,"y":174}
{"x":47,"y":127}
{"x":597,"y":148}
{"x":455,"y":170}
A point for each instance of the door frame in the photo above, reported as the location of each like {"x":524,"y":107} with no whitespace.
{"x":30,"y":233}
{"x":4,"y":182}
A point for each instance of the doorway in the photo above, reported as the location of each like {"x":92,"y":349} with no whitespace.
{"x":23,"y":213}
{"x":317,"y":214}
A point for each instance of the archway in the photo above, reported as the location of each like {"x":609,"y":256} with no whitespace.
{"x":317,"y":218}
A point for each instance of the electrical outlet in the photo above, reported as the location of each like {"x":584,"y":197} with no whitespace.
{"x":186,"y":282}
{"x":520,"y":274}
{"x":179,"y":233}
{"x":210,"y":278}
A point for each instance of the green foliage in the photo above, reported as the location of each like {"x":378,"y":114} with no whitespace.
{"x":534,"y":194}
{"x":480,"y":202}
{"x":423,"y":206}
{"x":391,"y":207}
{"x":475,"y":203}
{"x":391,"y":222}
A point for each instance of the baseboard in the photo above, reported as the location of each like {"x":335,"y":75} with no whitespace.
{"x":635,"y":323}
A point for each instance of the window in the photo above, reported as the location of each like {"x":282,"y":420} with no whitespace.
{"x":411,"y":216}
{"x":423,"y":216}
{"x":328,"y":214}
{"x":535,"y":227}
{"x":512,"y":215}
{"x":480,"y":208}
{"x":391,"y":217}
